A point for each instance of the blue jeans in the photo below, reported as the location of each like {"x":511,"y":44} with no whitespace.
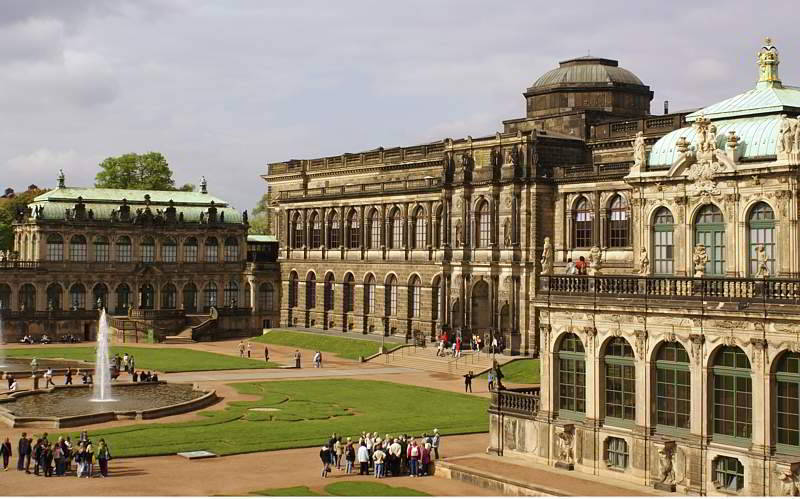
{"x":413,"y":464}
{"x":378,"y":470}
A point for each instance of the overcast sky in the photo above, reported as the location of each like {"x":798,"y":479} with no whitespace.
{"x":224,"y":87}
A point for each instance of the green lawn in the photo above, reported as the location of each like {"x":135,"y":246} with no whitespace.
{"x":300,"y":490}
{"x":520,"y":371}
{"x":158,"y":359}
{"x":308,"y":412}
{"x":343,"y":347}
{"x":351,"y":489}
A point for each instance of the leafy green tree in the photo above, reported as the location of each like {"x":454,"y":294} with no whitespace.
{"x":149,"y":171}
{"x":261,"y":221}
{"x":8,"y":210}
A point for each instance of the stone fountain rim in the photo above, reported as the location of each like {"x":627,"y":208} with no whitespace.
{"x":14,"y":421}
{"x":57,"y":371}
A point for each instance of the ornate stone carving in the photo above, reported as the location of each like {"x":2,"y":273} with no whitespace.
{"x":699,"y":259}
{"x":723,"y":324}
{"x":595,"y":261}
{"x":507,"y":232}
{"x":761,"y":260}
{"x":789,"y":479}
{"x":786,"y":137}
{"x":644,"y":262}
{"x":768,"y":62}
{"x":544,"y":335}
{"x":641,"y":343}
{"x":547,"y":257}
{"x":666,"y":464}
{"x":758,"y":347}
{"x":639,"y":153}
{"x":697,"y":347}
{"x":683,"y":145}
{"x":566,"y":445}
{"x":730,"y":204}
{"x":459,"y":234}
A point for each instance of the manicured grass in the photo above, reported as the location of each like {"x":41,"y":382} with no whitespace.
{"x":300,"y":490}
{"x":520,"y":371}
{"x":309,"y":411}
{"x":370,"y":489}
{"x":168,"y":360}
{"x":343,"y":347}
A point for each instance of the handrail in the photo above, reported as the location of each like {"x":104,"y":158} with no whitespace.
{"x":522,"y":402}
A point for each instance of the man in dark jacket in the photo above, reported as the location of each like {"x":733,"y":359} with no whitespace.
{"x":22,"y":450}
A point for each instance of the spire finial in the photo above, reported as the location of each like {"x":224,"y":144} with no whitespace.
{"x":203,"y":185}
{"x":768,"y":65}
{"x":61,"y":178}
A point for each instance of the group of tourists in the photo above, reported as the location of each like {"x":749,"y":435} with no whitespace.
{"x":125,"y":363}
{"x":56,"y":458}
{"x":576,"y":268}
{"x":402,"y":455}
{"x":476,"y":344}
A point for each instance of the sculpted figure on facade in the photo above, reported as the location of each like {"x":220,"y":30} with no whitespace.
{"x":789,"y":482}
{"x":595,"y":261}
{"x":547,"y":257}
{"x":566,"y":454}
{"x":639,"y":152}
{"x":700,"y":259}
{"x":761,"y":261}
{"x":666,"y":465}
{"x":507,"y":233}
{"x":644,"y":262}
{"x":787,"y":133}
{"x":459,"y":234}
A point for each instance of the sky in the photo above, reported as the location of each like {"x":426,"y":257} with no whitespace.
{"x":222,"y":88}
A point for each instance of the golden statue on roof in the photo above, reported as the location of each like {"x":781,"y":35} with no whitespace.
{"x":768,"y":63}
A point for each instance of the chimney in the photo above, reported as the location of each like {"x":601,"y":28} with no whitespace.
{"x":666,"y":107}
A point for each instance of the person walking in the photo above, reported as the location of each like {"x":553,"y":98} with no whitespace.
{"x":317,"y":359}
{"x":266,"y":353}
{"x":68,"y":376}
{"x":325,"y":456}
{"x":349,"y":456}
{"x":338,"y":450}
{"x":5,"y":451}
{"x":468,"y":382}
{"x":89,"y":463}
{"x":248,"y":349}
{"x":458,"y":347}
{"x":297,"y":359}
{"x":490,"y":378}
{"x":103,"y":456}
{"x":241,"y":349}
{"x":48,"y":378}
{"x":132,"y":364}
{"x":440,"y":349}
{"x":435,"y":443}
{"x":363,"y":459}
{"x":125,"y":360}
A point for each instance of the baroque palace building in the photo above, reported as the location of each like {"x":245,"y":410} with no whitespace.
{"x":168,"y":261}
{"x":675,"y":361}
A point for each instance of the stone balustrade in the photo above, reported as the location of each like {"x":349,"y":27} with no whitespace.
{"x":517,"y":401}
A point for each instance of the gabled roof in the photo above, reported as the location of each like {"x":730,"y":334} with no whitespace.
{"x":758,"y":101}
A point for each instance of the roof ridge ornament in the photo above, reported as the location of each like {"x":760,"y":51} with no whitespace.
{"x":61,"y":184}
{"x":203,"y":185}
{"x":768,"y":65}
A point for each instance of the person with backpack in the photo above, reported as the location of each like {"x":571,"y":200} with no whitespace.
{"x":103,"y":457}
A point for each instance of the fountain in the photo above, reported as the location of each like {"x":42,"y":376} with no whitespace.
{"x":102,"y":366}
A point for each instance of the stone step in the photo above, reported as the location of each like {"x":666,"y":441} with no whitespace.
{"x":178,"y":339}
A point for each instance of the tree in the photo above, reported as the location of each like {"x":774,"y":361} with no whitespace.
{"x":8,"y":210}
{"x":149,"y":171}
{"x":261,"y":221}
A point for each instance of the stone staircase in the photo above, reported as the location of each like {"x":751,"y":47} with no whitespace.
{"x":425,"y":359}
{"x":183,"y":337}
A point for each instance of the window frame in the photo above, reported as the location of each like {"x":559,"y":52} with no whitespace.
{"x":736,"y":378}
{"x":582,"y":224}
{"x":663,"y":251}
{"x":572,"y":363}
{"x":621,"y":368}
{"x":759,"y":230}
{"x":618,"y":223}
{"x":664,"y":369}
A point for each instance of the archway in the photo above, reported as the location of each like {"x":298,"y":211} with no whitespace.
{"x":481,"y":309}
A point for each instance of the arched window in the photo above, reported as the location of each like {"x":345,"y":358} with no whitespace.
{"x":316,"y":231}
{"x":391,"y":295}
{"x":663,"y":248}
{"x":327,"y":296}
{"x":266,"y":297}
{"x":374,"y":230}
{"x":231,"y":249}
{"x":123,"y":299}
{"x":437,"y":281}
{"x":210,"y":295}
{"x":101,"y":252}
{"x":27,"y":297}
{"x":148,"y":250}
{"x":733,"y":392}
{"x":414,"y":297}
{"x":148,"y":297}
{"x":334,"y":231}
{"x":709,"y":230}
{"x":77,"y":297}
{"x":582,"y":224}
{"x":77,"y":249}
{"x":420,"y":228}
{"x":169,"y":297}
{"x":293,"y":289}
{"x":190,"y":298}
{"x":787,"y":384}
{"x":438,"y":227}
{"x":54,"y":297}
{"x":100,"y":296}
{"x":231,"y":295}
{"x":5,"y":297}
{"x":353,"y":230}
{"x":618,"y":227}
{"x":190,"y":250}
{"x":571,"y":375}
{"x":55,"y":247}
{"x":673,"y":387}
{"x":620,"y":380}
{"x":369,"y":294}
{"x":761,"y":225}
{"x":348,"y":292}
{"x":124,"y":249}
{"x":396,"y":229}
{"x":212,"y":250}
{"x":311,"y":290}
{"x":169,"y":251}
{"x":298,"y":231}
{"x":483,"y":225}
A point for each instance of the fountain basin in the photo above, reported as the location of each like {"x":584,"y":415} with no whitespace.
{"x":70,"y":406}
{"x":21,"y":368}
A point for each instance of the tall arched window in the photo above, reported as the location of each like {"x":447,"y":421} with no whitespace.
{"x":582,"y":224}
{"x":148,"y":296}
{"x":100,"y":296}
{"x":311,"y":290}
{"x":353,"y":230}
{"x":414,"y":297}
{"x":761,"y":225}
{"x":709,"y":230}
{"x":77,"y":249}
{"x":334,"y":231}
{"x":55,"y":247}
{"x":673,"y":387}
{"x":123,"y":298}
{"x":316,"y":231}
{"x":348,"y":292}
{"x":190,"y":298}
{"x":54,"y":297}
{"x":437,"y":281}
{"x":231,"y":249}
{"x":147,"y":249}
{"x":210,"y":295}
{"x":438,"y":227}
{"x":190,"y":250}
{"x":369,"y":294}
{"x":663,"y":246}
{"x":420,"y":228}
{"x":212,"y":250}
{"x":390,"y":295}
{"x":327,"y":295}
{"x":483,"y":225}
{"x":293,"y":288}
{"x":298,"y":236}
{"x":787,"y":410}
{"x":231,"y":295}
{"x":266,"y":297}
{"x":101,"y":252}
{"x":374,"y":230}
{"x":169,"y":297}
{"x":124,"y":253}
{"x":169,"y":251}
{"x":618,"y":227}
{"x":77,"y":297}
{"x":571,"y":375}
{"x":620,"y":380}
{"x":27,"y":297}
{"x":396,"y":229}
{"x":733,"y":393}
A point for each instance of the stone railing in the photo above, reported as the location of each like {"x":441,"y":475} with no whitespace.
{"x":675,"y":288}
{"x":357,"y":189}
{"x":150,"y":315}
{"x":517,"y":401}
{"x":19,"y":264}
{"x":40,"y":315}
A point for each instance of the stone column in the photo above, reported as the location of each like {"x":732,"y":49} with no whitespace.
{"x":760,"y":397}
{"x":251,"y":280}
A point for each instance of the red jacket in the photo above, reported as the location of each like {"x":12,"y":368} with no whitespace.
{"x":418,"y":450}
